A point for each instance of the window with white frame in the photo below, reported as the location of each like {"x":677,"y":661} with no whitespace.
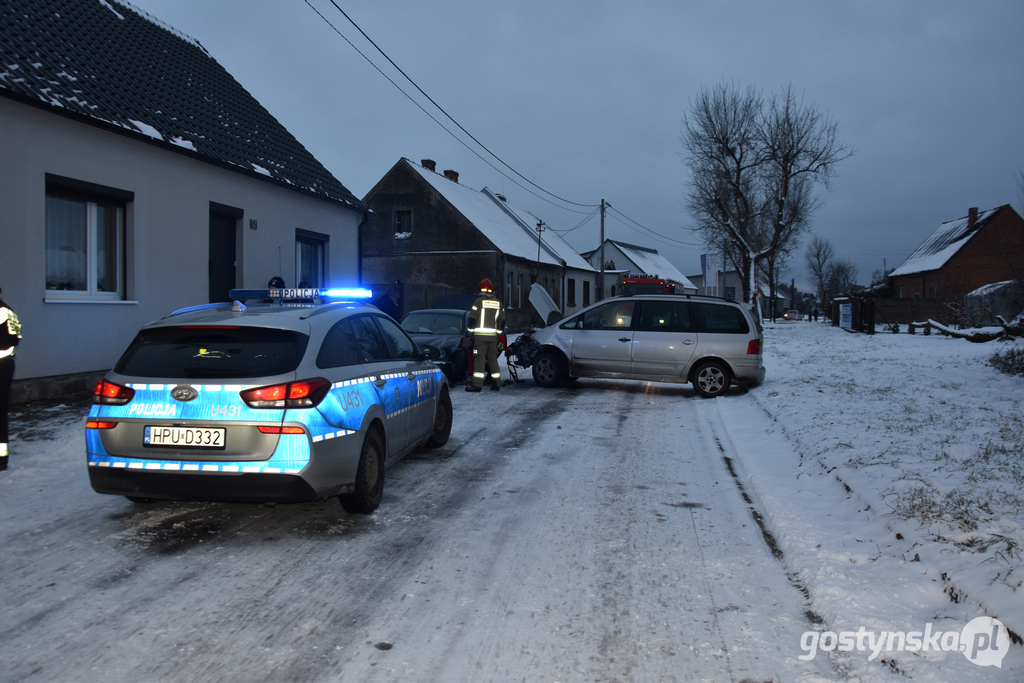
{"x":310,"y":258}
{"x":85,"y":239}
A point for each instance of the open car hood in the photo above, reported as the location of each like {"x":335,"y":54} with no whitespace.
{"x":543,"y":303}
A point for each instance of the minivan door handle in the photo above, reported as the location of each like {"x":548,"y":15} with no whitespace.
{"x":689,"y":341}
{"x":625,"y":339}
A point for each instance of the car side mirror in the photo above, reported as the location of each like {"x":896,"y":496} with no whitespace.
{"x":428,"y":352}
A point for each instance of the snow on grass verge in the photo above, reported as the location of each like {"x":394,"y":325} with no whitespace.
{"x":890,"y":469}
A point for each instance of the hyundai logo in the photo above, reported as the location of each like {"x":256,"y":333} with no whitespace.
{"x":183,"y":392}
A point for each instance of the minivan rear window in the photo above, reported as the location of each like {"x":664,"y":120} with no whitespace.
{"x":214,"y":352}
{"x":720,"y":319}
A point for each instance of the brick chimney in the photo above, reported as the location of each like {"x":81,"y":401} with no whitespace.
{"x":429,"y":164}
{"x":451,"y":175}
{"x":972,"y":216}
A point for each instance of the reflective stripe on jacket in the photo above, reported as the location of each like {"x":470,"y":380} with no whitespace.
{"x":10,"y":331}
{"x":489,"y":316}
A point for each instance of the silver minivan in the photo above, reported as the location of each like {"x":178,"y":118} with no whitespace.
{"x":708,"y":342}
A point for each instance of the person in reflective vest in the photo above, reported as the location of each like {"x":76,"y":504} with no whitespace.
{"x":486,"y":321}
{"x":10,"y":335}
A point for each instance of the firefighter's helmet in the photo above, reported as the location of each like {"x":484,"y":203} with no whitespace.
{"x":486,"y":286}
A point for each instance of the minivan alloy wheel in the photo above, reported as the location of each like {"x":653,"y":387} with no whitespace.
{"x":711,"y":379}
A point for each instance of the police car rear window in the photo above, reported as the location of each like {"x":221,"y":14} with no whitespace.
{"x":215,"y":352}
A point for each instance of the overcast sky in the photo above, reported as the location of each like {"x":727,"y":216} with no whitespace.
{"x":585,"y":98}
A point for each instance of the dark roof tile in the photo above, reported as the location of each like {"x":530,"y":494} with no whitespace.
{"x":113,"y":65}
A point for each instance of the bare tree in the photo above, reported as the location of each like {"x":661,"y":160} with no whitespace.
{"x":840,"y":277}
{"x":771,"y":268}
{"x":754,"y":165}
{"x":819,"y":255}
{"x":723,"y":151}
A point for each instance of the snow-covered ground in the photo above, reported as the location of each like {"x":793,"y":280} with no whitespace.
{"x":889,"y":468}
{"x":607,"y":531}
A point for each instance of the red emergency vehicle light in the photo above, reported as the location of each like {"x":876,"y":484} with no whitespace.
{"x":645,"y":284}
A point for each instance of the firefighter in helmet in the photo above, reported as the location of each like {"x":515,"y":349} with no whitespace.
{"x":486,"y":321}
{"x":10,"y":335}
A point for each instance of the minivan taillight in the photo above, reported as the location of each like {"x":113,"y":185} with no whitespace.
{"x":305,"y":393}
{"x":108,"y":393}
{"x":754,"y":347}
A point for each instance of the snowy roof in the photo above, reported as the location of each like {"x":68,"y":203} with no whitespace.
{"x":512,"y":230}
{"x":107,"y":63}
{"x":550,"y":240}
{"x":650,"y":262}
{"x":988,"y":290}
{"x":944,"y":243}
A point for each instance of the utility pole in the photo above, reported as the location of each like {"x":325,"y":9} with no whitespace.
{"x":540,"y":229}
{"x":600,"y":284}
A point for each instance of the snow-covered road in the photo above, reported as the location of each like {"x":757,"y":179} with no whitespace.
{"x":587,"y":533}
{"x":609,"y":531}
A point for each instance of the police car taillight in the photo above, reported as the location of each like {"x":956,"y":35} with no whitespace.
{"x":108,"y":393}
{"x":274,"y":429}
{"x":305,"y":393}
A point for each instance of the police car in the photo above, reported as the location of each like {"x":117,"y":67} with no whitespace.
{"x":267,"y":402}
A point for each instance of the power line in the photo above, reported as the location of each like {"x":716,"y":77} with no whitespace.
{"x":578,"y":225}
{"x":474,"y":139}
{"x":657,"y":234}
{"x":432,"y":117}
{"x":441,"y":109}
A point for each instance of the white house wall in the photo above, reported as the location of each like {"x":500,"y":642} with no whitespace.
{"x":580,"y":276}
{"x":167,"y":232}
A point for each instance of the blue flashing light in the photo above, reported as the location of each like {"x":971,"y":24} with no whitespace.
{"x":348,"y":293}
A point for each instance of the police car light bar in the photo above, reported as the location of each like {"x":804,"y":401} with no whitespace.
{"x":347,"y":293}
{"x":343,"y":293}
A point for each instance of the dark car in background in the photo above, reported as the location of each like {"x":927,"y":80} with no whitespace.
{"x":446,"y":332}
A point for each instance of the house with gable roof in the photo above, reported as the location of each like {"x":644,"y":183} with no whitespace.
{"x":962,"y":256}
{"x":138,"y":177}
{"x":437,"y":237}
{"x":622,"y":259}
